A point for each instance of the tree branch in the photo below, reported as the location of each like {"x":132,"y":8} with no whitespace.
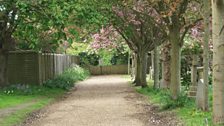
{"x":221,"y":30}
{"x":129,"y":43}
{"x":189,"y":27}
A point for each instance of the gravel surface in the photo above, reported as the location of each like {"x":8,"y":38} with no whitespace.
{"x":101,"y":101}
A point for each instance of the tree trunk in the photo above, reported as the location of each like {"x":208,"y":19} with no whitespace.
{"x":156,"y":67}
{"x":3,"y":69}
{"x":132,"y":66}
{"x":194,"y":70}
{"x":138,"y":72}
{"x":141,"y":68}
{"x":129,"y":65}
{"x":175,"y":64}
{"x":7,"y":43}
{"x":135,"y":69}
{"x":166,"y":65}
{"x":206,"y":16}
{"x":152,"y":66}
{"x":218,"y":61}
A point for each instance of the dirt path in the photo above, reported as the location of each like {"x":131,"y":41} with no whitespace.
{"x":99,"y":101}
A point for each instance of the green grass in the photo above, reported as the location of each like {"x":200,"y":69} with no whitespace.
{"x":9,"y":101}
{"x":18,"y":97}
{"x":184,"y":108}
{"x":193,"y":117}
{"x":20,"y":115}
{"x":39,"y":96}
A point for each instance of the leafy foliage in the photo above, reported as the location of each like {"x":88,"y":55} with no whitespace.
{"x":68,"y":78}
{"x":184,"y":107}
{"x":119,"y":59}
{"x":64,"y":81}
{"x":181,"y":101}
{"x":191,"y":46}
{"x":163,"y":97}
{"x":88,"y":59}
{"x":185,"y":71}
{"x":32,"y":21}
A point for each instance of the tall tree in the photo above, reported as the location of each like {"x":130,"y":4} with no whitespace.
{"x":178,"y":17}
{"x":138,"y":30}
{"x":141,"y":34}
{"x":206,"y":17}
{"x":218,"y":60}
{"x":156,"y":66}
{"x":17,"y":16}
{"x":165,"y":52}
{"x":8,"y":12}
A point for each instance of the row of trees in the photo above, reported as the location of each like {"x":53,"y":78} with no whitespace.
{"x":143,"y":24}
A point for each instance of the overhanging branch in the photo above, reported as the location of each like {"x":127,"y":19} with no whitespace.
{"x":186,"y":29}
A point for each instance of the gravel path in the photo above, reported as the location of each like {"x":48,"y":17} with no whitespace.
{"x":98,"y":101}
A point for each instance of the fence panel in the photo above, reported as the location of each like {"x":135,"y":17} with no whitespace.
{"x":29,"y":67}
{"x":23,"y":67}
{"x":95,"y":70}
{"x":107,"y":70}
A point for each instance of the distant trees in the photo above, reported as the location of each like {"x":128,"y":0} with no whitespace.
{"x":137,"y":24}
{"x":141,"y":23}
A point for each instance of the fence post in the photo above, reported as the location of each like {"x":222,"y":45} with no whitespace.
{"x":39,"y":68}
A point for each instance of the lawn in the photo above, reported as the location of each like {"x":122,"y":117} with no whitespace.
{"x":38,"y":96}
{"x":36,"y":93}
{"x":12,"y":100}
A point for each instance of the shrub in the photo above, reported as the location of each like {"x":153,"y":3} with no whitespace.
{"x":181,"y":101}
{"x":163,"y":97}
{"x":68,"y":78}
{"x":88,"y":59}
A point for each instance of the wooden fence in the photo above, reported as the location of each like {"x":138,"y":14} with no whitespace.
{"x":28,"y":67}
{"x":105,"y":70}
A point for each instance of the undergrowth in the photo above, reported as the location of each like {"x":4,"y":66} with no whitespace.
{"x":39,"y":96}
{"x":68,"y":78}
{"x":184,"y":107}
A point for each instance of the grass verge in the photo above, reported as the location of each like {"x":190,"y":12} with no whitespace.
{"x":184,"y":107}
{"x":39,"y":96}
{"x":38,"y":99}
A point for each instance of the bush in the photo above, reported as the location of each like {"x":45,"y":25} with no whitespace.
{"x":163,"y":98}
{"x":88,"y":59}
{"x":64,"y":81}
{"x":68,"y":78}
